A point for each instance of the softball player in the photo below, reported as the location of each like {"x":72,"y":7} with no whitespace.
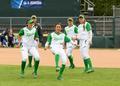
{"x":39,"y":30}
{"x":56,"y":41}
{"x":85,"y":37}
{"x":27,"y":36}
{"x":71,"y":32}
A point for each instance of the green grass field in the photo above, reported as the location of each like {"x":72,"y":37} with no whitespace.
{"x":9,"y":76}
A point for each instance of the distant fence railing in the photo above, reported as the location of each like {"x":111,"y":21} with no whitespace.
{"x":103,"y":26}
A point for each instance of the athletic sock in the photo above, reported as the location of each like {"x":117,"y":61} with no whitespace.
{"x":30,"y":60}
{"x":61,"y":70}
{"x":89,"y":63}
{"x":70,"y":59}
{"x":57,"y":57}
{"x":23,"y":66}
{"x":86,"y":64}
{"x":36,"y":66}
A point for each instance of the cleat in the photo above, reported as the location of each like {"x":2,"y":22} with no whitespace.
{"x":35,"y":75}
{"x":85,"y":70}
{"x":89,"y":71}
{"x":22,"y":74}
{"x":72,"y":66}
{"x":59,"y":78}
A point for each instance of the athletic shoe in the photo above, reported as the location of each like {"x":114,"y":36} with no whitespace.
{"x":85,"y":69}
{"x":35,"y":75}
{"x":72,"y":66}
{"x":59,"y":78}
{"x":90,"y":70}
{"x":22,"y":74}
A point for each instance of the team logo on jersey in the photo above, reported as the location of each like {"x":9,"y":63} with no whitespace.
{"x":57,"y":37}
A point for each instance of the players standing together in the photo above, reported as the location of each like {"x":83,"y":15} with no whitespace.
{"x":30,"y":36}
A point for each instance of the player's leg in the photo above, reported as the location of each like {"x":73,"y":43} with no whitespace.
{"x":57,"y":57}
{"x":29,"y":60}
{"x":24,"y":52}
{"x":55,"y":51}
{"x":36,"y":56}
{"x":86,"y":58}
{"x":30,"y":56}
{"x":69,"y":55}
{"x":64,"y":60}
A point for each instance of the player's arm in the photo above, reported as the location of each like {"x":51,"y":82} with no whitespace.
{"x":76,"y":33}
{"x":65,"y":32}
{"x":66,"y":39}
{"x":76,"y":30}
{"x":36,"y":37}
{"x":48,"y":42}
{"x":20,"y":34}
{"x":39,"y":29}
{"x":89,"y":29}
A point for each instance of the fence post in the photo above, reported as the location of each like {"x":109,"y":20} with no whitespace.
{"x":10,"y":23}
{"x":40,"y":20}
{"x":113,"y":31}
{"x":95,"y":33}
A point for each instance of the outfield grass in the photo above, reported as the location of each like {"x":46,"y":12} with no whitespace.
{"x":9,"y":76}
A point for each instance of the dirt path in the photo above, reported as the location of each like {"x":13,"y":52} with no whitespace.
{"x":107,"y":58}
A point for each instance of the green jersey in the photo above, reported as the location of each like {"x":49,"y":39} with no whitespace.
{"x":28,"y":36}
{"x":57,"y":39}
{"x":84,"y":31}
{"x":71,"y":31}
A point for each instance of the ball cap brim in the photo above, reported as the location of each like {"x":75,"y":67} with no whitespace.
{"x":30,"y":21}
{"x":81,"y":16}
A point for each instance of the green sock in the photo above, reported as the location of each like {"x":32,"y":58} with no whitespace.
{"x":70,"y":59}
{"x":30,"y":60}
{"x":57,"y":57}
{"x":36,"y":66}
{"x":61,"y":70}
{"x":86,"y":64}
{"x":23,"y":66}
{"x":89,"y":63}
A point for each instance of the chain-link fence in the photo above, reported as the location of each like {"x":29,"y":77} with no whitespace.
{"x":104,"y":27}
{"x":116,"y":32}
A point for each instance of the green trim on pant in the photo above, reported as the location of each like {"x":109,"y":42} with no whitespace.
{"x":70,"y":59}
{"x":30,"y":60}
{"x":57,"y":57}
{"x":23,"y":66}
{"x":36,"y":64}
{"x":61,"y":70}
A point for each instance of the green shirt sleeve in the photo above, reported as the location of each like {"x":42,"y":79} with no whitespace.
{"x":21,"y":32}
{"x":36,"y":34}
{"x":49,"y":38}
{"x":65,"y":32}
{"x":66,"y":39}
{"x":88,"y":26}
{"x":76,"y":30}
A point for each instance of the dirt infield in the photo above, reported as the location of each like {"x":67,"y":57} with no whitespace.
{"x":106,"y":58}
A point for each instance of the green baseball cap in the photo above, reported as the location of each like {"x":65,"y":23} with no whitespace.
{"x":30,"y":21}
{"x":81,"y":16}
